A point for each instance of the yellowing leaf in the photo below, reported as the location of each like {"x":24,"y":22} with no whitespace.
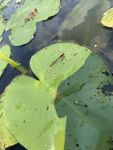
{"x":107,"y":19}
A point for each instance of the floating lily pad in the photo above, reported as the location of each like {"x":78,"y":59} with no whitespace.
{"x":2,"y":27}
{"x":5,"y":50}
{"x":6,"y":138}
{"x":26,"y":17}
{"x":68,"y":108}
{"x":107,"y":19}
{"x":28,"y":31}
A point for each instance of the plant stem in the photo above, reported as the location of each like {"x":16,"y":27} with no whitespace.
{"x":13,"y":64}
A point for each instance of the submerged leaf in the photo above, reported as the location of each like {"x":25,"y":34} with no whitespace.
{"x":68,"y":106}
{"x":26,"y":17}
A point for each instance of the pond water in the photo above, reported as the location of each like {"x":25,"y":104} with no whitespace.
{"x":78,"y":22}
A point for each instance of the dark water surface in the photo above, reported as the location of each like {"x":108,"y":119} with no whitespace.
{"x":78,"y":22}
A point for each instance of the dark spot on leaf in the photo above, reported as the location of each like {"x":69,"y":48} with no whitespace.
{"x":68,"y":83}
{"x":107,"y":89}
{"x":77,"y":145}
{"x":98,"y":92}
{"x":106,"y":73}
{"x":70,"y":135}
{"x":75,"y":54}
{"x":24,"y":121}
{"x":47,"y":108}
{"x":85,"y":105}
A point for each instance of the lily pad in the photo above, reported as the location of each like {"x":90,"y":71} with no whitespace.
{"x":5,"y":50}
{"x":68,"y":106}
{"x":107,"y":19}
{"x":2,"y":27}
{"x":6,"y":138}
{"x":42,"y":134}
{"x":26,"y":17}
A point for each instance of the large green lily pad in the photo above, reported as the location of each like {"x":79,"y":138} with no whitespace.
{"x":23,"y":23}
{"x":68,"y":108}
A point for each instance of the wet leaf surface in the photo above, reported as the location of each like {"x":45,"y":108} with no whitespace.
{"x":69,"y":95}
{"x":26,"y":17}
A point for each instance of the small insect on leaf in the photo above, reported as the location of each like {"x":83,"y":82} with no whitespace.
{"x":31,"y":15}
{"x":107,"y":19}
{"x":61,"y":57}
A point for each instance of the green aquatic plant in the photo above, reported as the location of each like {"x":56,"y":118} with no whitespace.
{"x":68,"y":108}
{"x":26,"y":17}
{"x":6,"y":138}
{"x":4,"y":60}
{"x":13,"y":63}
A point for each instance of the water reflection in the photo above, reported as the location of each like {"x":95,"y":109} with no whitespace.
{"x":86,"y":31}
